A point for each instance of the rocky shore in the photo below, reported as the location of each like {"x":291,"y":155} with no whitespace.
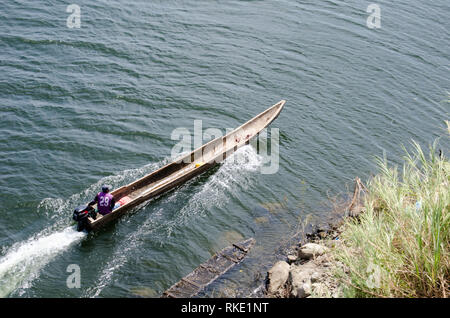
{"x":308,"y":268}
{"x":307,"y":273}
{"x":394,"y":241}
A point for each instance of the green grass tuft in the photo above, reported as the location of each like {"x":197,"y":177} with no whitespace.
{"x":399,"y":246}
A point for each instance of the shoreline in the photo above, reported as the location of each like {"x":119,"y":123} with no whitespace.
{"x":306,"y":270}
{"x":391,"y":240}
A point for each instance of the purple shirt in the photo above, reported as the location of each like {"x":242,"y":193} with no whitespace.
{"x":105,"y":202}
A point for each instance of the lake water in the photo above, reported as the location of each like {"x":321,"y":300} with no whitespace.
{"x":97,"y":104}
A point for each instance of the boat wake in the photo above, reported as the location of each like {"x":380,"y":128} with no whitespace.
{"x":23,"y":262}
{"x":119,"y":258}
{"x":236,"y":170}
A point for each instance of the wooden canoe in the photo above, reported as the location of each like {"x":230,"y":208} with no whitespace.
{"x":186,"y":167}
{"x":208,"y":272}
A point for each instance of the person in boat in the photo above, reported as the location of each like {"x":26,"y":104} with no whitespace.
{"x":105,"y":201}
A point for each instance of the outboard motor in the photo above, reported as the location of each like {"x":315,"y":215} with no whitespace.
{"x":81,"y":214}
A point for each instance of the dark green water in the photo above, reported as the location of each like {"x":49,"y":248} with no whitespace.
{"x":82,"y":107}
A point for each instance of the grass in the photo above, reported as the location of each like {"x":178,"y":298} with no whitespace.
{"x":399,"y":245}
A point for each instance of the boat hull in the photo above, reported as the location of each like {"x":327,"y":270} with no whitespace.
{"x":221,"y":262}
{"x":185,"y":167}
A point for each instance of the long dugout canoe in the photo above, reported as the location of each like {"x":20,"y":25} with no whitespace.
{"x":185,"y":167}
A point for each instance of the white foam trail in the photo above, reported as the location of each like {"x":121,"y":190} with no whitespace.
{"x":233,"y":171}
{"x":118,"y":259}
{"x":232,"y":177}
{"x":25,"y":260}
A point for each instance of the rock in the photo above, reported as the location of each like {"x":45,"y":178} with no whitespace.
{"x":299,"y":275}
{"x":311,"y":250}
{"x":315,"y":277}
{"x":302,"y":292}
{"x":307,"y":288}
{"x":292,"y":258}
{"x":277,"y":277}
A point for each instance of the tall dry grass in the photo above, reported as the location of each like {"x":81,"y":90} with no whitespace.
{"x":399,"y":246}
